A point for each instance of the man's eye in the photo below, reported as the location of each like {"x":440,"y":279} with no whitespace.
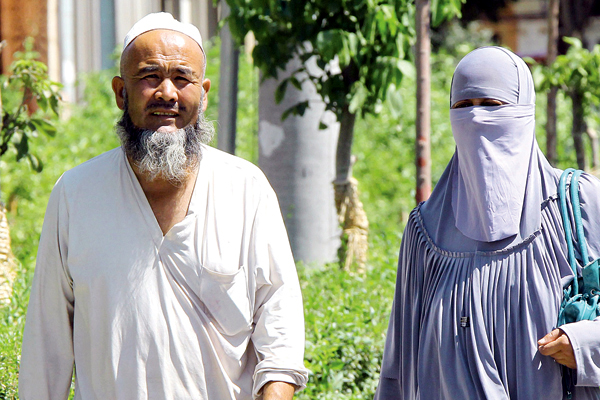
{"x":182,"y":79}
{"x":151,"y":76}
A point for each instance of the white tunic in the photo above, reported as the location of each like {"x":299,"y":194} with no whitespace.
{"x":211,"y":310}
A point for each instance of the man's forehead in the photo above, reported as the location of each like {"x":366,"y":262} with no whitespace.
{"x":159,"y":46}
{"x":164,"y":39}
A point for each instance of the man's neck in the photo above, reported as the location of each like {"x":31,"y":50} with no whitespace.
{"x":169,"y":202}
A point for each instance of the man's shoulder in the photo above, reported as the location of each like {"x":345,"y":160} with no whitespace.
{"x":223,"y":162}
{"x":95,"y":168}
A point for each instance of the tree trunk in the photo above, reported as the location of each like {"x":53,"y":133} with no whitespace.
{"x":579,"y":128}
{"x":228,"y":87}
{"x":351,"y":214}
{"x":343,"y":155}
{"x":298,"y":159}
{"x":551,"y":152}
{"x":593,"y":135}
{"x":423,"y":146}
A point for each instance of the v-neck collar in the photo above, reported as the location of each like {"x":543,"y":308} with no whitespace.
{"x":146,"y":210}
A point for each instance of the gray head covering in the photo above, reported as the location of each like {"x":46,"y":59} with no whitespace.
{"x":490,"y":193}
{"x":495,"y":73}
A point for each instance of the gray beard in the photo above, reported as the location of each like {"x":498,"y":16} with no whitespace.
{"x":171,"y":156}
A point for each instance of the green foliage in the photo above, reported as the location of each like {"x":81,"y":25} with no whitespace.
{"x":361,"y":47}
{"x":29,"y":78}
{"x":346,"y":319}
{"x":577,"y":71}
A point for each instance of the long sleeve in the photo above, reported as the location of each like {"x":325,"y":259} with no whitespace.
{"x":278,"y":335}
{"x":585,"y":339}
{"x":47,"y":352}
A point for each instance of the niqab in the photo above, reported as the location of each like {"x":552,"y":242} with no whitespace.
{"x":495,"y":148}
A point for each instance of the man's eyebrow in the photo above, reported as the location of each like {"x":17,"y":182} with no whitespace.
{"x":185,"y":70}
{"x":154,"y":68}
{"x":148,"y":69}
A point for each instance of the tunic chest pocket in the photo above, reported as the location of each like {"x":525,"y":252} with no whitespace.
{"x":225,"y":297}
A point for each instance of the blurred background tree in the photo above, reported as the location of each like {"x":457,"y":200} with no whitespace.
{"x":362,"y":49}
{"x":29,"y":102}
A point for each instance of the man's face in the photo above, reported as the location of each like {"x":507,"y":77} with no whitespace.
{"x":162,"y":77}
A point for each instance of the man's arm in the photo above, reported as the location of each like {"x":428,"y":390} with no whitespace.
{"x":47,"y":353}
{"x":278,"y":335}
{"x":278,"y":391}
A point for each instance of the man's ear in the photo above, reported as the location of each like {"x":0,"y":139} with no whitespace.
{"x":206,"y":87}
{"x":118,"y":86}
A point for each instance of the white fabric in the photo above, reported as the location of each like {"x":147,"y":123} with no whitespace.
{"x":212,"y":310}
{"x":494,"y":146}
{"x":162,"y":20}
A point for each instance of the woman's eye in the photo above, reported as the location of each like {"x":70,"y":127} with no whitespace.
{"x":491,"y":103}
{"x":463,"y":104}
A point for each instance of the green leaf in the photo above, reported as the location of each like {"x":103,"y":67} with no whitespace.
{"x":280,"y":91}
{"x":407,"y":68}
{"x":44,"y":126}
{"x":294,"y":81}
{"x":298,"y":109}
{"x":573,"y":41}
{"x":394,"y":98}
{"x":35,"y":162}
{"x":359,"y":98}
{"x":22,"y":147}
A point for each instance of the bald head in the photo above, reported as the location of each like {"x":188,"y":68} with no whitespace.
{"x":166,"y":42}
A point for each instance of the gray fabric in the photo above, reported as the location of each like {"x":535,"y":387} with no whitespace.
{"x":494,"y":147}
{"x":494,"y":152}
{"x":492,"y":72}
{"x":508,"y":292}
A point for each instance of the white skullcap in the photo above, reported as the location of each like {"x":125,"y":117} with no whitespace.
{"x":162,"y":20}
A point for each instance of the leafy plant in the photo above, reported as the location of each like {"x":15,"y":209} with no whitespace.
{"x":577,"y":74}
{"x":29,"y":77}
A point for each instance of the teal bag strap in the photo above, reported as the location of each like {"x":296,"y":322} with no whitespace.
{"x":590,"y":273}
{"x":577,"y":216}
{"x":562,"y":197}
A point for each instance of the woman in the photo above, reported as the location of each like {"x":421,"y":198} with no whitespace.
{"x":483,"y":261}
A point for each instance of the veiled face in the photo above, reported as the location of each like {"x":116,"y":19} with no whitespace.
{"x":161,"y":73}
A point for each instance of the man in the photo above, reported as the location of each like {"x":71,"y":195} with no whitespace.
{"x":164,"y":270}
{"x":483,"y":262}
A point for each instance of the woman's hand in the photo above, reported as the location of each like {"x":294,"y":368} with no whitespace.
{"x":557,"y":345}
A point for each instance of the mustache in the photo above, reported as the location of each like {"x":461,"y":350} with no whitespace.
{"x":165,"y":105}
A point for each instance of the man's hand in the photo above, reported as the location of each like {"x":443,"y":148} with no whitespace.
{"x":278,"y":391}
{"x":558,"y":346}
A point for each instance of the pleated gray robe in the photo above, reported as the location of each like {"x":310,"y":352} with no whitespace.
{"x":467,"y":315}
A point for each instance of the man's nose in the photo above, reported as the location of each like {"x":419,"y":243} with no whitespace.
{"x":166,"y":91}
